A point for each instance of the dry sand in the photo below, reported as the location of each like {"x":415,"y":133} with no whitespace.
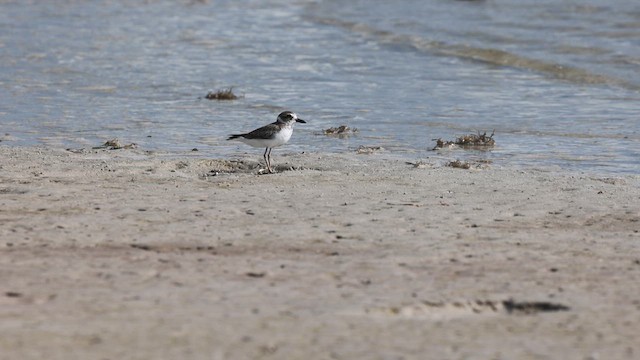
{"x":127,"y":255}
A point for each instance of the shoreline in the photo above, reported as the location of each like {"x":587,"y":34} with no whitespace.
{"x":123,"y":254}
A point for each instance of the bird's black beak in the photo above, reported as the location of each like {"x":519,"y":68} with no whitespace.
{"x":301,"y":121}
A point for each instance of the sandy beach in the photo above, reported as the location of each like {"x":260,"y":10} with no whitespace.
{"x":125,"y":254}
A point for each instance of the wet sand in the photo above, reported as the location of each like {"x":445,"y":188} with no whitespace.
{"x":128,"y":255}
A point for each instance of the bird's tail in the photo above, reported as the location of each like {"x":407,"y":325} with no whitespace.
{"x":231,"y":137}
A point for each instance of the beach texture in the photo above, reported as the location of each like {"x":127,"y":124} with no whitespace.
{"x":124,"y":254}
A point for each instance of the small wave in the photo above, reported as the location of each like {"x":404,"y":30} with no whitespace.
{"x":486,"y":55}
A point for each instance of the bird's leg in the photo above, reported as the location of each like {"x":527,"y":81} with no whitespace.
{"x":266,"y":159}
{"x":269,"y":157}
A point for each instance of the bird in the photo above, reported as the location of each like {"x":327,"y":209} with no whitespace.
{"x":272,"y":135}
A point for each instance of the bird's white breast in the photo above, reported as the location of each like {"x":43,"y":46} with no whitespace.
{"x":283,"y":136}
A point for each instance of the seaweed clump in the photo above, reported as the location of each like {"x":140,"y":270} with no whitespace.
{"x":339,"y":131}
{"x":223,"y":94}
{"x":471,"y":141}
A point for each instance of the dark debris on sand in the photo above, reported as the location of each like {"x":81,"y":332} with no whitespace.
{"x":476,"y":164}
{"x":459,"y":164}
{"x":115,"y":144}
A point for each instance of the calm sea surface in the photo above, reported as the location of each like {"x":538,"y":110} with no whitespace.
{"x":559,"y":81}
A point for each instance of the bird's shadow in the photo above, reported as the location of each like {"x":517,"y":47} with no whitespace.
{"x":221,"y":167}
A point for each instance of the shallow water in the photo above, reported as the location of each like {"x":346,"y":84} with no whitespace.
{"x":558,"y":81}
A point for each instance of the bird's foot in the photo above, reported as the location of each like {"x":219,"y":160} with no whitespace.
{"x":266,"y":171}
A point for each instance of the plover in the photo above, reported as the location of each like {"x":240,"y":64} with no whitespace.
{"x":270,"y":136}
